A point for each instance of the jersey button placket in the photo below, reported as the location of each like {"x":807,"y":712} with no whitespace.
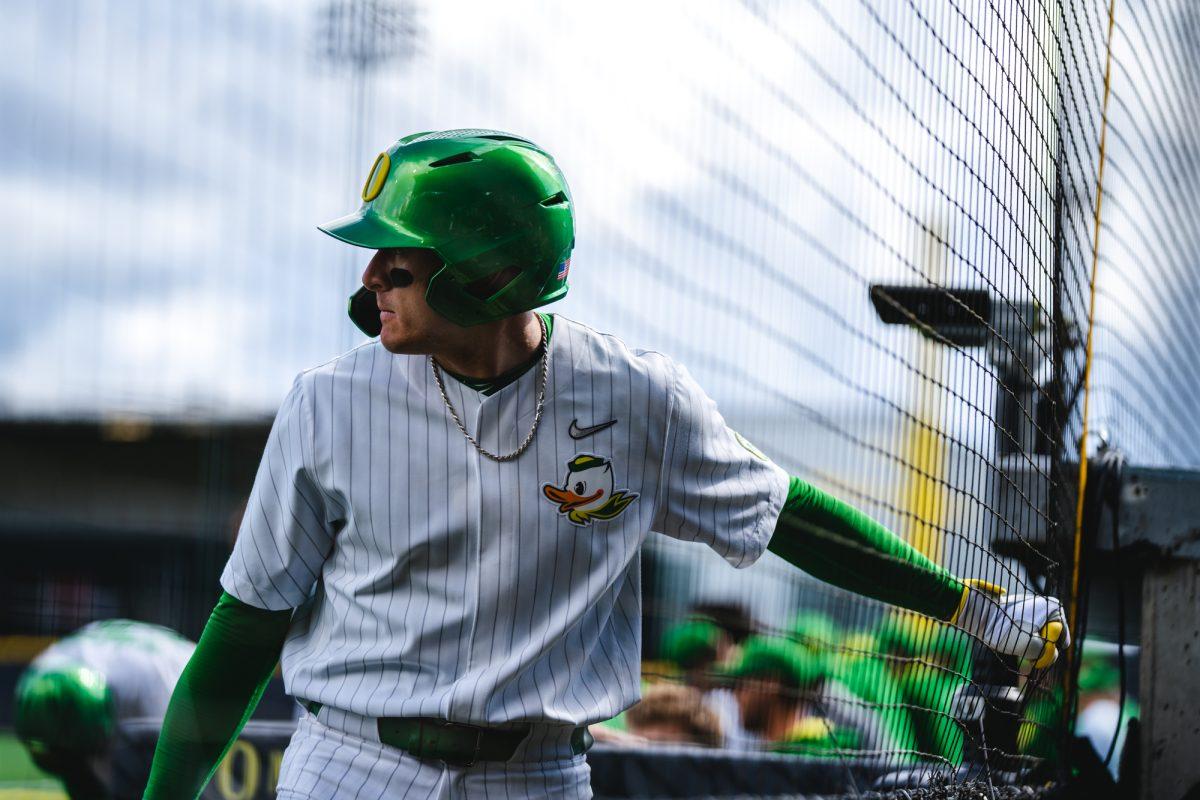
{"x":474,"y":546}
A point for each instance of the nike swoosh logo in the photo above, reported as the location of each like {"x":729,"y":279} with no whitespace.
{"x":577,"y":432}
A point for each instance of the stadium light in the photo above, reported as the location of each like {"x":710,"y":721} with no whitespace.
{"x":1015,"y":335}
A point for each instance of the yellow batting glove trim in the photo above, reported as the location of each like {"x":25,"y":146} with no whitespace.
{"x":978,"y":585}
{"x":1051,"y":632}
{"x":962,"y":603}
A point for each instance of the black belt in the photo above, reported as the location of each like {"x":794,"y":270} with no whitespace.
{"x":455,"y":743}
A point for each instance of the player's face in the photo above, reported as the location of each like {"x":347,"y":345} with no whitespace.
{"x":759,"y":701}
{"x":399,"y":278}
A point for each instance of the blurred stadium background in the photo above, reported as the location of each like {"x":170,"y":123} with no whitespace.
{"x":870,"y":229}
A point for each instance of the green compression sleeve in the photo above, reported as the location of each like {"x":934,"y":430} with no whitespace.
{"x":217,"y":692}
{"x":839,"y":544}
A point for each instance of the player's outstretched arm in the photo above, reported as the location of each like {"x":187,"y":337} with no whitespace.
{"x":841,"y":545}
{"x":217,"y":692}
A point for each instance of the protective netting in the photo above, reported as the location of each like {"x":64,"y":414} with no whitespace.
{"x":1144,"y":367}
{"x":867,"y":228}
{"x":971,"y":176}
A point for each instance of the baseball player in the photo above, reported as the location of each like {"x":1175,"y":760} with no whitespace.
{"x":70,"y":699}
{"x":443,"y":537}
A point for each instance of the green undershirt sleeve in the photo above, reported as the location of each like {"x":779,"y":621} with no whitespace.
{"x":841,"y":545}
{"x":217,"y":692}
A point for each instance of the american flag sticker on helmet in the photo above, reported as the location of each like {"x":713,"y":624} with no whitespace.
{"x":563,"y":269}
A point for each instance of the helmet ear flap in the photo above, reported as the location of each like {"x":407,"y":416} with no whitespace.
{"x":364,"y":312}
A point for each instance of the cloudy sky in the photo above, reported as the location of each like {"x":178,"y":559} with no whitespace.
{"x":742,"y":173}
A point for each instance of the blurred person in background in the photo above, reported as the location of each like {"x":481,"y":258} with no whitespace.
{"x":777,"y":685}
{"x":73,"y":696}
{"x":733,"y":619}
{"x":708,"y":639}
{"x":676,"y":714}
{"x":701,"y":650}
{"x":769,"y":683}
{"x":857,"y":725}
{"x":818,"y":635}
{"x":1100,"y":715}
{"x":1038,"y":733}
{"x":864,"y":669}
{"x":928,"y":663}
{"x":697,"y":648}
{"x":691,"y":650}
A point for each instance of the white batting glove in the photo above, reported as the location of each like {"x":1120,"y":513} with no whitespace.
{"x":1027,"y":626}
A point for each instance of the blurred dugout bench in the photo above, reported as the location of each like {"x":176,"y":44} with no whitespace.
{"x":250,"y":770}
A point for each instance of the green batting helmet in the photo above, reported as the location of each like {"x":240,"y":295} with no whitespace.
{"x":777,"y":658}
{"x":817,"y":633}
{"x":63,"y":708}
{"x":486,"y":202}
{"x":693,"y":643}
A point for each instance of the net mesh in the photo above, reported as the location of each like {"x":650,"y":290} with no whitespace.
{"x":483,"y":133}
{"x":869,"y":229}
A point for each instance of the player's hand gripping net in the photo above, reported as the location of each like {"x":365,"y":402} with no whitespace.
{"x":1030,"y":627}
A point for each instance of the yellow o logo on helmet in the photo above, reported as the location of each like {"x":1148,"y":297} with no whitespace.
{"x":378,"y":177}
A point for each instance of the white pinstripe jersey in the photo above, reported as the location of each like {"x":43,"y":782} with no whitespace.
{"x":430,"y":581}
{"x":140,"y":662}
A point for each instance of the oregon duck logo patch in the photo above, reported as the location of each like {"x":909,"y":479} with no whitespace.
{"x":588,"y":492}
